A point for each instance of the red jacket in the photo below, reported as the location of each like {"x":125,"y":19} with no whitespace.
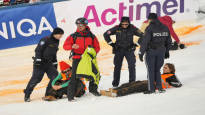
{"x":167,"y":20}
{"x":83,"y":43}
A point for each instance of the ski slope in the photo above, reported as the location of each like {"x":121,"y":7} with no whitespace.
{"x":187,"y":100}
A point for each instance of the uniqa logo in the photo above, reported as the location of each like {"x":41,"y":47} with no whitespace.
{"x":169,"y":7}
{"x":33,"y":30}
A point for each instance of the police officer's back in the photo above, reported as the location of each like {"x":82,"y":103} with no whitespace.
{"x":155,"y":44}
{"x":45,"y":61}
{"x":123,"y":47}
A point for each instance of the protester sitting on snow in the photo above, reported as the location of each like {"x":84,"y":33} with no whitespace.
{"x":168,"y":77}
{"x":166,"y":20}
{"x":61,"y":83}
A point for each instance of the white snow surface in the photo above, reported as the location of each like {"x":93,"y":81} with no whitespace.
{"x":187,"y":100}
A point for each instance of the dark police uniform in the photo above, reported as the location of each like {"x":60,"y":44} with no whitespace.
{"x":45,"y":61}
{"x":124,"y":47}
{"x":155,"y":45}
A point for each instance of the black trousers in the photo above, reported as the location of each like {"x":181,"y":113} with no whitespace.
{"x":71,"y":92}
{"x":154,"y":60}
{"x":118,"y":59}
{"x":37,"y":76}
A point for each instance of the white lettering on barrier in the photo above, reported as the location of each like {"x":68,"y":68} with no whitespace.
{"x":43,"y":26}
{"x":4,"y":33}
{"x":32,"y":30}
{"x":48,"y":26}
{"x":13,"y":34}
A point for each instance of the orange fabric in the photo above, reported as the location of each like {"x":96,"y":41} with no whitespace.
{"x":64,"y":65}
{"x":165,"y":85}
{"x":83,"y":80}
{"x":64,"y":76}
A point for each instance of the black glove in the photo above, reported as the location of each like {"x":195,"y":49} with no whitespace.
{"x":182,"y":46}
{"x":133,"y":47}
{"x":174,"y":46}
{"x":141,"y":57}
{"x":140,"y":41}
{"x":55,"y":64}
{"x":37,"y":61}
{"x":113,"y":45}
{"x":166,"y":55}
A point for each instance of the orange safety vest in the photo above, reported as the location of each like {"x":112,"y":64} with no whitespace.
{"x":165,"y":85}
{"x":83,"y":80}
{"x":64,"y":76}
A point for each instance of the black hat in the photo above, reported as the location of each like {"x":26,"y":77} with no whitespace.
{"x":152,"y":16}
{"x":58,"y":31}
{"x":125,"y":19}
{"x":82,"y":21}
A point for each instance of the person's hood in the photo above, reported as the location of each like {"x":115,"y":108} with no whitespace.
{"x":166,"y":19}
{"x":63,"y":66}
{"x":53,"y":38}
{"x":156,"y":22}
{"x":146,"y":21}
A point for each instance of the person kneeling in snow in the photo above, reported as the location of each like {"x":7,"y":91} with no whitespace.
{"x":168,"y":77}
{"x":61,"y":83}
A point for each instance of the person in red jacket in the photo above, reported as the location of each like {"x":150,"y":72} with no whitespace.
{"x":77,"y":43}
{"x":167,"y":20}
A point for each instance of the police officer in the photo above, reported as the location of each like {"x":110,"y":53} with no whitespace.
{"x":45,"y":61}
{"x":155,"y":44}
{"x":123,"y":47}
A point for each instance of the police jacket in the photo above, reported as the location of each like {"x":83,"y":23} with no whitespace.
{"x":124,"y":37}
{"x":157,"y":36}
{"x":47,"y":49}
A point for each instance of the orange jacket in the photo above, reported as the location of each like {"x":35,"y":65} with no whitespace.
{"x":165,"y":84}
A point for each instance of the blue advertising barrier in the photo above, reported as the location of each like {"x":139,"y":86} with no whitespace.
{"x":26,"y":25}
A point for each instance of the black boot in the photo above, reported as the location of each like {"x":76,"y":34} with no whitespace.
{"x":149,"y":92}
{"x":162,"y":91}
{"x":93,"y":88}
{"x":27,"y":97}
{"x":96,"y":93}
{"x":70,"y":99}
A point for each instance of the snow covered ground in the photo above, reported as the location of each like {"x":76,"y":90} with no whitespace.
{"x":188,"y":100}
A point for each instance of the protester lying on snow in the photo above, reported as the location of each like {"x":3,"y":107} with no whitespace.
{"x":61,"y":83}
{"x":126,"y":89}
{"x":169,"y":78}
